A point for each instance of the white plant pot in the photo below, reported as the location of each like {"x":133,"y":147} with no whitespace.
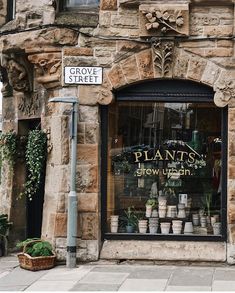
{"x":188,"y":228}
{"x":217,"y":228}
{"x":177,"y":230}
{"x":114,"y":228}
{"x":165,"y":228}
{"x":152,"y":229}
{"x":162,"y":212}
{"x":203,"y":221}
{"x":155,"y":214}
{"x":148,"y":212}
{"x":195,"y":218}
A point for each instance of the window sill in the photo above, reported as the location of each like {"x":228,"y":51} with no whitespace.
{"x":79,"y":17}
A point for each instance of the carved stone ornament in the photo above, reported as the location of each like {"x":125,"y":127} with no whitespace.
{"x":59,"y":36}
{"x":6,"y":88}
{"x":17,"y":74}
{"x":48,"y":68}
{"x":29,"y":105}
{"x":49,"y":142}
{"x":224,"y":92}
{"x":163,"y":53}
{"x":165,"y":19}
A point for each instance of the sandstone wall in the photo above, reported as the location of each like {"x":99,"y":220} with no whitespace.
{"x":201,"y":49}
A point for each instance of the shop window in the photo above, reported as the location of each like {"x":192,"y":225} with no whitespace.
{"x":164,"y":167}
{"x":79,"y":4}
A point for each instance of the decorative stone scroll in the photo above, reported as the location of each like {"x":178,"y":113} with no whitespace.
{"x":224,"y":92}
{"x":17,"y":73}
{"x":163,"y":53}
{"x":48,"y":68}
{"x":164,"y":19}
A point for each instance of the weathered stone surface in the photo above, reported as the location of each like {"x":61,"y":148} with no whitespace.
{"x":164,"y":250}
{"x":88,"y":114}
{"x":87,"y":178}
{"x":231,"y":119}
{"x":91,"y":133}
{"x":218,"y":31}
{"x":8,"y":111}
{"x":231,"y":212}
{"x":224,"y":90}
{"x":105,"y":18}
{"x":89,"y":226}
{"x":79,"y":61}
{"x":92,"y":250}
{"x":87,"y":154}
{"x":88,"y":94}
{"x":116,"y":76}
{"x":78,"y":51}
{"x":125,"y":21}
{"x":145,"y":64}
{"x":87,"y":202}
{"x":105,"y":93}
{"x":196,"y":68}
{"x":231,"y":168}
{"x":60,"y":225}
{"x":108,"y":5}
{"x":129,"y":69}
{"x":231,"y":189}
{"x":80,"y":19}
{"x":180,"y":68}
{"x":210,"y":74}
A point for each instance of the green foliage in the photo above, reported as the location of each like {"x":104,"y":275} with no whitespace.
{"x":4,"y":224}
{"x":129,"y":218}
{"x":34,"y":249}
{"x":8,"y":148}
{"x":35,"y":159}
{"x":151,"y":202}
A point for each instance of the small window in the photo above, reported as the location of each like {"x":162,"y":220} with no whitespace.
{"x":11,"y":10}
{"x":73,"y":4}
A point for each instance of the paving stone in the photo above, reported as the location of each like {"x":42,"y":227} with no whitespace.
{"x":188,"y":288}
{"x":66,"y":274}
{"x":143,"y":285}
{"x":51,"y":286}
{"x":192,"y":277}
{"x":104,"y":278}
{"x":21,"y":277}
{"x":224,"y":275}
{"x":95,"y":287}
{"x":223,"y":286}
{"x":149,"y":273}
{"x":12,"y":288}
{"x":114,"y":269}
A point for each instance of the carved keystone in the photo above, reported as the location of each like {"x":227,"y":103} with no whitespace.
{"x":164,"y":19}
{"x":224,"y":92}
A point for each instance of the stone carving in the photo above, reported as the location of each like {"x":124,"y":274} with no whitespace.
{"x":203,"y":20}
{"x":164,"y":19}
{"x":48,"y":68}
{"x":224,"y":92}
{"x":163,"y":52}
{"x":6,"y":88}
{"x":59,"y":36}
{"x":17,"y":74}
{"x":29,"y":105}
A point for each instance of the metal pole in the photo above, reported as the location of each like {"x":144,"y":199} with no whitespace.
{"x":72,"y":197}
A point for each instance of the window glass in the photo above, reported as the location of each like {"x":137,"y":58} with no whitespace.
{"x":164,"y":168}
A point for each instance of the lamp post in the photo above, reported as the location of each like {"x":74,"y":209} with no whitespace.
{"x":72,"y":197}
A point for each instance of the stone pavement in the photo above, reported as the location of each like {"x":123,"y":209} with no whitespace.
{"x":117,"y":277}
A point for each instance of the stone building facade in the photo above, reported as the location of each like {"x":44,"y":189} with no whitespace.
{"x":133,"y":44}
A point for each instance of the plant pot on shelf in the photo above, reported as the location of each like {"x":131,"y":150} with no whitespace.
{"x":217,"y":228}
{"x":129,"y":229}
{"x":143,"y":225}
{"x":114,"y":223}
{"x":162,"y":211}
{"x":148,"y":211}
{"x":36,"y":263}
{"x":188,"y":228}
{"x":177,"y":227}
{"x":165,"y":228}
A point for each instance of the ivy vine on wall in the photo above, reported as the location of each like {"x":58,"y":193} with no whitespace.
{"x":8,"y":145}
{"x":35,"y":156}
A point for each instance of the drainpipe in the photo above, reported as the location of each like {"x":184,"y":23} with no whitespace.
{"x":72,"y":197}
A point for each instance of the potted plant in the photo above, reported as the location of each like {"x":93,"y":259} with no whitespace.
{"x":4,"y":228}
{"x":150,"y":205}
{"x":37,"y":254}
{"x":130,"y":219}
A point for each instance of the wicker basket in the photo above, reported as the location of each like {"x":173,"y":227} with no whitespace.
{"x":35,"y":263}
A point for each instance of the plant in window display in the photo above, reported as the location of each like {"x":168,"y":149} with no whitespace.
{"x":129,"y":219}
{"x":150,"y":205}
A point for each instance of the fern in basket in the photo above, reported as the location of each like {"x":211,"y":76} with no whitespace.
{"x":36,"y":247}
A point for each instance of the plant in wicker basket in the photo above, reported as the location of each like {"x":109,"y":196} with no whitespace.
{"x":37,"y":254}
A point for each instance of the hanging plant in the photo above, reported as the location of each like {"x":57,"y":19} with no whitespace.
{"x":8,"y":148}
{"x":35,"y":159}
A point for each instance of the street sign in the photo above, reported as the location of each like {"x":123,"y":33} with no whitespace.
{"x":83,"y":75}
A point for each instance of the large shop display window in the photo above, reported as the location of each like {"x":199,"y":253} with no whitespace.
{"x":164,"y":169}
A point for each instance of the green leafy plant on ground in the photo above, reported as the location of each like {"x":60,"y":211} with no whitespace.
{"x":36,"y":247}
{"x":4,"y":224}
{"x":35,"y":160}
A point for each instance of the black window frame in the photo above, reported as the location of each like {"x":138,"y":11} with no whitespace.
{"x":168,"y":93}
{"x":11,"y":10}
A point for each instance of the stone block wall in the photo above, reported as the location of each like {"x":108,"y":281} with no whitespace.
{"x":201,"y":49}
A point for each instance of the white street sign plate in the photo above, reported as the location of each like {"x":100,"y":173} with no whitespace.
{"x":83,"y":75}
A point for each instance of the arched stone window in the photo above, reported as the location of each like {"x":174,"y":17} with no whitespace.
{"x":164,"y":161}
